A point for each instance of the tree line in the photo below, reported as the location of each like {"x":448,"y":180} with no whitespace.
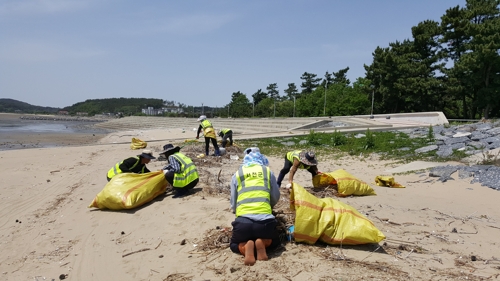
{"x":452,"y":66}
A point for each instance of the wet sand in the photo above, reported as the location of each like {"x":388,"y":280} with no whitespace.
{"x":80,"y":134}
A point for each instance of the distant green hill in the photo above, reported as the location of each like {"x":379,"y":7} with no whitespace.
{"x":127,"y":106}
{"x":15,"y":106}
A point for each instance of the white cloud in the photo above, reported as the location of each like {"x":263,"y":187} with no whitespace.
{"x":11,"y":7}
{"x":43,"y":52}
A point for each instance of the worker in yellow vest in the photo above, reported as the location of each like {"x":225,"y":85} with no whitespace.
{"x":181,"y":172}
{"x":132,"y":165}
{"x":226,"y":134}
{"x":254,"y":192}
{"x":298,"y":159}
{"x":209,"y":133}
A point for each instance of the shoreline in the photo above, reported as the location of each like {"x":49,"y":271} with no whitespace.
{"x":17,"y":133}
{"x":15,"y":141}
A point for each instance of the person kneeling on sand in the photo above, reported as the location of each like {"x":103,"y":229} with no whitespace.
{"x":254,"y":192}
{"x":132,"y":165}
{"x":181,"y":172}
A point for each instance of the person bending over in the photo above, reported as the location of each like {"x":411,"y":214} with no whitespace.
{"x":132,"y":165}
{"x":226,"y":134}
{"x":298,"y":159}
{"x":209,"y":133}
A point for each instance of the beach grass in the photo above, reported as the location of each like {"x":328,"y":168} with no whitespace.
{"x":389,"y":145}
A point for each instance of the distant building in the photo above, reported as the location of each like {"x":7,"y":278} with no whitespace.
{"x":160,"y":111}
{"x":152,"y":111}
{"x":62,"y":112}
{"x":82,"y":114}
{"x":173,"y":109}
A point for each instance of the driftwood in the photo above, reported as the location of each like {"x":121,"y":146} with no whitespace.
{"x":135,"y":252}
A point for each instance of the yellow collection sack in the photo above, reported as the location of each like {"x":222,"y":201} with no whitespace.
{"x":138,"y":144}
{"x":130,"y":190}
{"x":347,"y":184}
{"x":329,"y":220}
{"x":387,"y":181}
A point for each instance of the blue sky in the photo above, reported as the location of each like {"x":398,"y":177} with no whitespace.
{"x":60,"y":52}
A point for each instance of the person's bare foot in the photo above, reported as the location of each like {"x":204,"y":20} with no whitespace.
{"x":249,"y":253}
{"x":261,"y":250}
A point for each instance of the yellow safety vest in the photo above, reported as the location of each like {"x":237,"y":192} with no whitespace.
{"x":188,"y":172}
{"x":116,"y":168}
{"x":224,"y":131}
{"x":208,"y":129}
{"x":254,"y":190}
{"x":295,"y":154}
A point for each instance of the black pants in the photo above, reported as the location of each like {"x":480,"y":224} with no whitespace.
{"x":245,"y":229}
{"x":228,"y":135}
{"x":169,"y":176}
{"x":286,"y":168}
{"x":214,"y":143}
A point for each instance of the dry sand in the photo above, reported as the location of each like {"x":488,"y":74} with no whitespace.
{"x":434,"y":230}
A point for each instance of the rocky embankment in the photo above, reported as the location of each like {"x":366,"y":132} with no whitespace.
{"x":474,"y":139}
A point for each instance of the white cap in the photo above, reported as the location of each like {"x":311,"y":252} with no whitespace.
{"x":202,"y":117}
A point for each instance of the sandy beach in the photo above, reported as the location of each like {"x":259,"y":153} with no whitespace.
{"x":434,"y":230}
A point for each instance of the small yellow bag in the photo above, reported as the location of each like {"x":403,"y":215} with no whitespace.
{"x":347,"y":184}
{"x":138,"y":144}
{"x":387,"y":181}
{"x":130,"y":190}
{"x":329,"y":220}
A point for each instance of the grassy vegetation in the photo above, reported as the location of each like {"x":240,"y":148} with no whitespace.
{"x":388,"y":145}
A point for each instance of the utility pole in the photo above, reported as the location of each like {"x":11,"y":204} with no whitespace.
{"x":324,"y":106}
{"x":293,"y":105}
{"x":373,"y":97}
{"x":274,"y":108}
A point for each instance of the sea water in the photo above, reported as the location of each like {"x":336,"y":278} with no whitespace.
{"x":45,"y":126}
{"x":14,"y":131}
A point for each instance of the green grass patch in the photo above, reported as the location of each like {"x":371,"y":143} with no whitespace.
{"x":389,"y":145}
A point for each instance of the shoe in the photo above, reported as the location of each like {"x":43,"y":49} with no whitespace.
{"x":180,"y":193}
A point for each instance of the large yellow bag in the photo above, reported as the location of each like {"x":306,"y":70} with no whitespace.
{"x":347,"y":184}
{"x":329,"y":220}
{"x":138,"y":144}
{"x":130,"y":190}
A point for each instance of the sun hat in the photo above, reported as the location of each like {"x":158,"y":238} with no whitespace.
{"x":308,"y":158}
{"x":202,"y":117}
{"x":170,"y":149}
{"x":147,"y":154}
